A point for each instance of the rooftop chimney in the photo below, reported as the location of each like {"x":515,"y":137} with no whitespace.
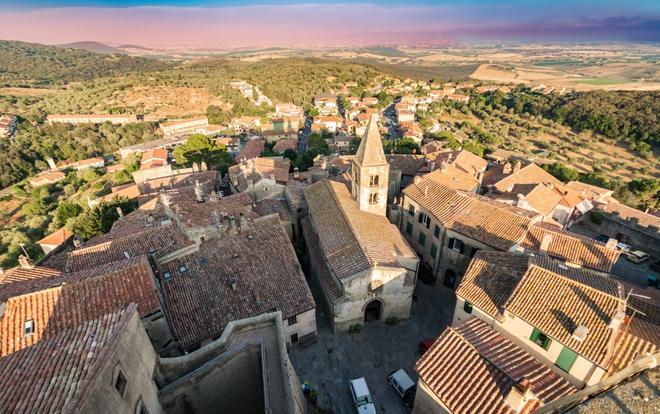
{"x":519,"y":395}
{"x":121,"y":213}
{"x":232,"y":284}
{"x":611,"y":243}
{"x":507,"y":168}
{"x":433,"y":166}
{"x":617,"y":320}
{"x":580,"y":333}
{"x":516,"y":166}
{"x":25,"y":262}
{"x":199,"y":193}
{"x":545,"y":242}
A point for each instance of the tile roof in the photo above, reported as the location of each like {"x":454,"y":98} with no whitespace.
{"x":496,"y":224}
{"x":200,"y":301}
{"x":529,"y":174}
{"x":557,"y":300}
{"x":55,"y":374}
{"x":256,"y":169}
{"x":57,"y":237}
{"x":20,"y":280}
{"x":408,"y":164}
{"x":160,"y":239}
{"x":587,"y":190}
{"x":463,"y":160}
{"x":571,"y":247}
{"x":178,"y":181}
{"x":370,"y":152}
{"x":330,"y":286}
{"x":433,"y":146}
{"x":252,"y":149}
{"x":269,"y":206}
{"x":351,"y":240}
{"x":548,"y":295}
{"x":210,"y":212}
{"x":453,"y":177}
{"x":285,"y":144}
{"x":471,"y":368}
{"x":646,"y":222}
{"x":78,"y":298}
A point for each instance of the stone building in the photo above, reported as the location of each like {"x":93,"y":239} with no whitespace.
{"x":360,"y":264}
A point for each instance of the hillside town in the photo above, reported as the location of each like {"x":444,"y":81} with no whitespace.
{"x":434,"y":280}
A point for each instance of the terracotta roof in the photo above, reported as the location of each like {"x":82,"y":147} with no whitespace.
{"x":471,"y":368}
{"x":161,"y":239}
{"x":571,"y":247}
{"x":255,"y":169}
{"x":540,"y":197}
{"x":463,"y":160}
{"x":269,"y":206}
{"x":252,"y":149}
{"x":351,"y":240}
{"x":19,"y":280}
{"x":557,"y":300}
{"x":285,"y":144}
{"x":408,"y":164}
{"x":178,"y":181}
{"x":453,"y":177}
{"x":55,"y":374}
{"x":433,"y":146}
{"x":496,"y":224}
{"x":633,"y":217}
{"x":82,"y":298}
{"x":490,"y":279}
{"x":331,"y":286}
{"x":200,"y":301}
{"x":130,"y":191}
{"x":209,"y":213}
{"x":530,"y":174}
{"x":587,"y":190}
{"x":57,"y":237}
{"x":370,"y":152}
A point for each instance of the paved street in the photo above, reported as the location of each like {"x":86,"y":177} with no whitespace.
{"x":373,"y":353}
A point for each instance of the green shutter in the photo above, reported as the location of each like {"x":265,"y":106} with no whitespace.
{"x":566,"y":359}
{"x":409,"y":228}
{"x":434,"y":250}
{"x":467,"y":307}
{"x":535,"y":335}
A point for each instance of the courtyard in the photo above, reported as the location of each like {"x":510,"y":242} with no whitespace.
{"x":373,"y":353}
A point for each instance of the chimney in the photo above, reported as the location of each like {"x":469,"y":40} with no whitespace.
{"x":242,"y":221}
{"x":232,"y":284}
{"x":516,"y":166}
{"x":611,"y":243}
{"x":433,"y":166}
{"x":76,"y":242}
{"x":580,"y":333}
{"x":545,"y":242}
{"x":199,"y":193}
{"x":507,"y":168}
{"x":617,"y":320}
{"x":521,"y":202}
{"x":119,"y":212}
{"x":25,"y":262}
{"x":296,"y":173}
{"x":519,"y":395}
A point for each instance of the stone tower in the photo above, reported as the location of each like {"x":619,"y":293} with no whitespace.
{"x":370,"y":172}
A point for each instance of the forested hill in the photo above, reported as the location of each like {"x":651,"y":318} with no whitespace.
{"x":30,"y":64}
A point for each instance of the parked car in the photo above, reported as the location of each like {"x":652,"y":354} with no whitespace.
{"x":425,"y":345}
{"x":637,"y":256}
{"x":403,"y":385}
{"x":364,"y":404}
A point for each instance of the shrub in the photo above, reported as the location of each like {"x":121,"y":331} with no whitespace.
{"x":355,"y":328}
{"x":392,"y":320}
{"x":596,"y":217}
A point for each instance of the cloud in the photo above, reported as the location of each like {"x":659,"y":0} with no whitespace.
{"x":307,"y":24}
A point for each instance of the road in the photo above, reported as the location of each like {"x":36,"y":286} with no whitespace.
{"x":303,"y":134}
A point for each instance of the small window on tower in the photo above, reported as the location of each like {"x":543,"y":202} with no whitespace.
{"x":373,"y":198}
{"x":373,"y":181}
{"x":29,"y":327}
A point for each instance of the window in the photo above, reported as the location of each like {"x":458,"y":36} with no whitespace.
{"x":424,"y":219}
{"x":292,"y":320}
{"x":436,"y":232}
{"x":474,"y":251}
{"x":183,"y":269}
{"x":373,"y":181}
{"x":29,"y":327}
{"x":167,"y":275}
{"x":411,"y":210}
{"x":373,"y":198}
{"x":409,"y":228}
{"x":456,"y":245}
{"x":540,"y":339}
{"x":294,"y":338}
{"x":467,"y":307}
{"x":434,"y":250}
{"x":421,"y":238}
{"x":120,"y":384}
{"x":140,"y":407}
{"x":566,"y":359}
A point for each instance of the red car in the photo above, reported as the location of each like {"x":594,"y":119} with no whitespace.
{"x":425,"y":345}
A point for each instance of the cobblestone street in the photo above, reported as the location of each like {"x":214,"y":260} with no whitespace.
{"x":373,"y":353}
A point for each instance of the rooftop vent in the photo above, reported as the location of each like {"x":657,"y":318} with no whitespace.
{"x":580,"y":333}
{"x":232,"y":284}
{"x":167,"y":275}
{"x":250,"y":237}
{"x":127,"y":255}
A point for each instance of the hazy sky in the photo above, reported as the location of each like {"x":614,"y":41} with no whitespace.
{"x":236,"y":23}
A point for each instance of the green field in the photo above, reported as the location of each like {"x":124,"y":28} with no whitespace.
{"x":603,"y":81}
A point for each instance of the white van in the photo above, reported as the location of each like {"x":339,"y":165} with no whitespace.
{"x":403,"y":385}
{"x":361,"y":397}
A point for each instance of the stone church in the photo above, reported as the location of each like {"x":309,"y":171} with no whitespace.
{"x":360,"y":264}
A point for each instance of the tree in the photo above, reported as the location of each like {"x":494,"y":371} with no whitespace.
{"x":317,"y":143}
{"x":354,"y":144}
{"x":98,"y":220}
{"x":67,"y":210}
{"x":199,"y":148}
{"x":216,"y":116}
{"x":562,"y":172}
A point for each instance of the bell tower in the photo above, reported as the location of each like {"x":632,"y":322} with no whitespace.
{"x":370,"y":171}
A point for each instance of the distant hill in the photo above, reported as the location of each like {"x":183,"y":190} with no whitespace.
{"x":31,"y":64}
{"x":95,"y":47}
{"x":138,"y":47}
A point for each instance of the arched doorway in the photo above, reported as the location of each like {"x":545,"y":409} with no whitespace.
{"x":373,"y":311}
{"x":450,"y":279}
